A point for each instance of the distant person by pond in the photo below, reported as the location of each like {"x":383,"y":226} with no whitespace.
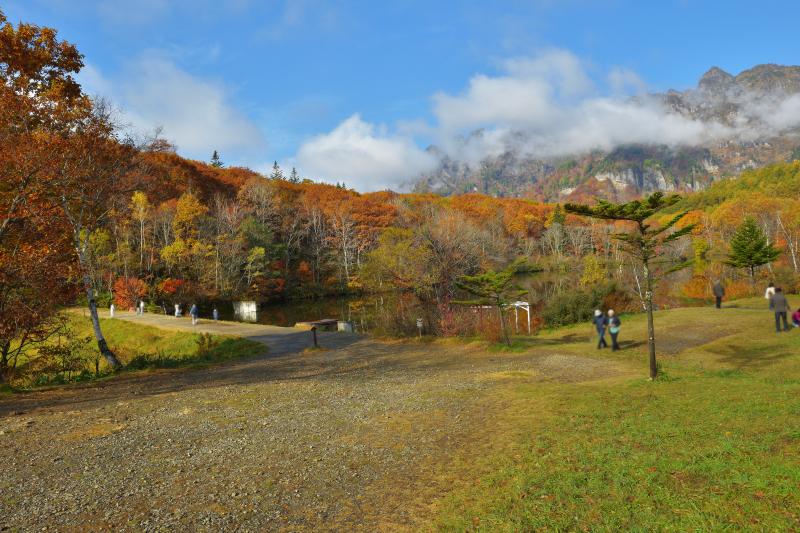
{"x":600,"y":324}
{"x":769,"y":293}
{"x":614,"y":324}
{"x":215,"y":313}
{"x":194,"y":312}
{"x":781,"y":307}
{"x":177,"y":310}
{"x":111,"y":310}
{"x":719,"y":292}
{"x":796,"y":318}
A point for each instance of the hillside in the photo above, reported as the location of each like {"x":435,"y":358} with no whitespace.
{"x":750,"y":107}
{"x":165,"y":176}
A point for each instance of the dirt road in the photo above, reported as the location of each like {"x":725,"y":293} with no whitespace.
{"x":361,"y":436}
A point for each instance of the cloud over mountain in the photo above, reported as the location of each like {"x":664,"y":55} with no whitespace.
{"x":363,"y":155}
{"x":548,"y":106}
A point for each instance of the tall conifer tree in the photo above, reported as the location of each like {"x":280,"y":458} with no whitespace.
{"x":646,"y":243}
{"x":750,"y":248}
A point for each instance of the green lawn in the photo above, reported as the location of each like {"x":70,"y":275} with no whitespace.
{"x":139,"y":347}
{"x":712,"y":445}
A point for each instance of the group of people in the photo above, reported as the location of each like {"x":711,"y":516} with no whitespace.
{"x":609,"y":322}
{"x":194,"y":312}
{"x":778,"y":304}
{"x":112,"y":309}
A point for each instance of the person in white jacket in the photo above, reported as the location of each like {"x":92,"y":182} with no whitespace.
{"x":769,"y":293}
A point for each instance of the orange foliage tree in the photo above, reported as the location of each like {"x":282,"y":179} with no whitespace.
{"x":128,"y":291}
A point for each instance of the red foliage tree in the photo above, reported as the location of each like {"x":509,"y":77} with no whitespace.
{"x":127,"y":291}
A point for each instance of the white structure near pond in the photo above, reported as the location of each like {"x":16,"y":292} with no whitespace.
{"x":527,"y":307}
{"x":245,"y":311}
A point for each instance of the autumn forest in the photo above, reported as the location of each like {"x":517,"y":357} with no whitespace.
{"x":89,"y":215}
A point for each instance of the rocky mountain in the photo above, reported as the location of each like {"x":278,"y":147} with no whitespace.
{"x":744,"y":107}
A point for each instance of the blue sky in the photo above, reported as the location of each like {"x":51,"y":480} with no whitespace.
{"x":352,"y":90}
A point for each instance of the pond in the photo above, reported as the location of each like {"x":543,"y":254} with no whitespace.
{"x":378,"y":314}
{"x":393,"y":313}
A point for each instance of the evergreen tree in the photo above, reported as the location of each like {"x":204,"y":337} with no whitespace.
{"x":294,"y":177}
{"x":277,"y":173}
{"x":495,"y":288}
{"x":216,"y":161}
{"x":750,"y":248}
{"x":646,"y":244}
{"x":557,"y":217}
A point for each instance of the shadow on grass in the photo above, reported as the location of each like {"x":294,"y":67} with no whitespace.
{"x":754,"y":358}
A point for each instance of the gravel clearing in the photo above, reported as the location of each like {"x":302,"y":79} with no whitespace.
{"x":350,"y":438}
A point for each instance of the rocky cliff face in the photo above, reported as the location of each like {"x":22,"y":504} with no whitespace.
{"x":629,"y":171}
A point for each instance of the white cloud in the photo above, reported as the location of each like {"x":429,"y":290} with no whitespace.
{"x":196,"y":114}
{"x":547,"y":106}
{"x":363,"y":155}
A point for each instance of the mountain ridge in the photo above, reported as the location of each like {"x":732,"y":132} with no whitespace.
{"x":747,"y":105}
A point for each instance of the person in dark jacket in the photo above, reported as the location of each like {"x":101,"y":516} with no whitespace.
{"x":600,"y":324}
{"x":194,"y":312}
{"x":719,"y":292}
{"x":614,"y":324}
{"x":781,"y":307}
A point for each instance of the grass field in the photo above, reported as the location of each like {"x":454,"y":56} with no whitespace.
{"x":138,"y":347}
{"x":713,"y":444}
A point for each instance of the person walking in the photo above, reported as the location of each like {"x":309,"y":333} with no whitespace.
{"x":781,"y":307}
{"x":111,"y":309}
{"x":215,"y":313}
{"x":600,"y":324}
{"x":194,"y":312}
{"x":769,"y":293}
{"x":614,"y":324}
{"x":141,"y":307}
{"x":719,"y":292}
{"x":177,"y":310}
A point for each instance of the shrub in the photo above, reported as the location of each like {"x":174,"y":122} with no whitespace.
{"x":489,"y":326}
{"x":456,"y":321}
{"x":785,"y":278}
{"x":575,"y":306}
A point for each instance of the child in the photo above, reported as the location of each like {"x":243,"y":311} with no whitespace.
{"x":796,"y":318}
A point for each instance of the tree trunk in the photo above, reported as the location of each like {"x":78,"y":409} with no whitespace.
{"x":4,"y":361}
{"x":651,"y":331}
{"x":98,"y":332}
{"x":503,"y":324}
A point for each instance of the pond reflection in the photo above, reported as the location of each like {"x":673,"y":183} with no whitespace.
{"x":392,"y":314}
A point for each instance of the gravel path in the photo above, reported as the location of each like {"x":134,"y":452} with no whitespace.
{"x":359,"y":436}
